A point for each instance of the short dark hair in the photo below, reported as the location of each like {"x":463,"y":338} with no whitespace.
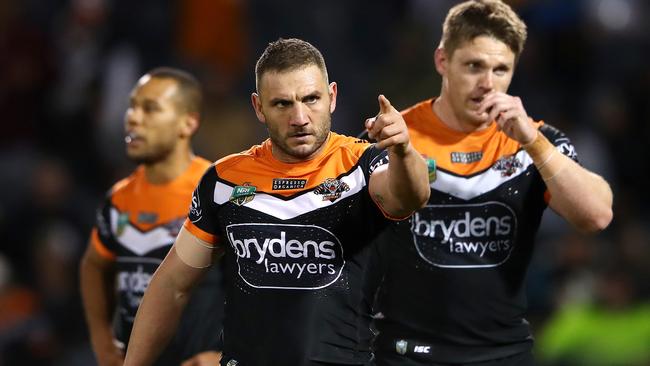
{"x":287,"y":55}
{"x":190,"y":95}
{"x":475,"y":18}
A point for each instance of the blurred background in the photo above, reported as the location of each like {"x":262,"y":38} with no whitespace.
{"x":67,"y":67}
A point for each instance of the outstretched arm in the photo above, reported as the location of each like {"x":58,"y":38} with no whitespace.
{"x":583,"y":198}
{"x":403,"y":186}
{"x":166,"y":297}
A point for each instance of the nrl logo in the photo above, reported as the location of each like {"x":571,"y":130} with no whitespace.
{"x":401,"y":346}
{"x":243,"y":194}
{"x":507,"y":165}
{"x":331,"y":189}
{"x":122,"y":221}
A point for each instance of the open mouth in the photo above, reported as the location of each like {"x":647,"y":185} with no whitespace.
{"x":132,"y":137}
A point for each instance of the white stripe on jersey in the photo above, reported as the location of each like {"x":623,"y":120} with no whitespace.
{"x":288,"y":209}
{"x":138,"y":242}
{"x":468,"y":188}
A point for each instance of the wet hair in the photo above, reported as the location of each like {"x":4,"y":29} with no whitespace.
{"x":189,"y":94}
{"x":288,"y":55}
{"x":475,"y":18}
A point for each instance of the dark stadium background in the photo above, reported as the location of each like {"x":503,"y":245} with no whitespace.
{"x":66,"y":67}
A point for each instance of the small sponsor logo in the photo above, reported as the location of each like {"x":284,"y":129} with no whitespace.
{"x":232,"y":363}
{"x":243,"y":194}
{"x":422,"y":349}
{"x":147,"y":217}
{"x":122,"y":221}
{"x":431,"y":167}
{"x":283,"y":184}
{"x":567,"y":149}
{"x":507,"y":165}
{"x":466,"y":157}
{"x":195,"y":207}
{"x":464,"y":235}
{"x":331,"y":189}
{"x":401,"y":346}
{"x":377,"y":161}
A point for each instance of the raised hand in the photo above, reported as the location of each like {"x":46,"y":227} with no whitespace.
{"x":510,"y":116}
{"x":388,"y":128}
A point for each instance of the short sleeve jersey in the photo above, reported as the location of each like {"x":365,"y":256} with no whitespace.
{"x":453,"y":286}
{"x":136,"y":227}
{"x":296,"y":243}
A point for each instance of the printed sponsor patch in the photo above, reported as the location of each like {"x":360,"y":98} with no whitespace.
{"x":283,"y":184}
{"x":331,"y":189}
{"x":147,"y":217}
{"x":466,"y":157}
{"x":303,"y":257}
{"x":464,"y":235}
{"x":243,"y":194}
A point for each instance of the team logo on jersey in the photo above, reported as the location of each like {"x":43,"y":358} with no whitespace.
{"x":277,"y":256}
{"x":282,"y":184}
{"x":232,"y":363}
{"x":465,"y":235}
{"x":243,"y":194}
{"x":401,"y":346}
{"x":466,"y":157}
{"x":147,"y":217}
{"x":331,"y":189}
{"x":122,"y":220}
{"x":508,"y":165}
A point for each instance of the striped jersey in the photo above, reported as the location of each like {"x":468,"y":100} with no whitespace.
{"x":453,"y":285}
{"x":136,"y":227}
{"x":296,"y":245}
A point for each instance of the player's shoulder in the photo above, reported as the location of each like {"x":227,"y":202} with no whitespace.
{"x":127,"y":182}
{"x":348,"y":144}
{"x":552,"y":133}
{"x":243,"y":157}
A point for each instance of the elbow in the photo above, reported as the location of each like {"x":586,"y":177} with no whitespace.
{"x":597,"y":222}
{"x":424,"y":197}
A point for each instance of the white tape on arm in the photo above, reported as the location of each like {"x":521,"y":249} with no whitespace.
{"x":193,"y":251}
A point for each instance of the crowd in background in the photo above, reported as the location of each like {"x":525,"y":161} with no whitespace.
{"x":67,"y":66}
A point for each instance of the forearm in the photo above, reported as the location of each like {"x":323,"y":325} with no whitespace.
{"x":160,"y":309}
{"x":155,"y":323}
{"x":408,"y":180}
{"x":581,"y":197}
{"x":98,"y":301}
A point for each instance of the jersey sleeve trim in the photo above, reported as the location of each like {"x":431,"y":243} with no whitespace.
{"x":206,"y":237}
{"x":100,"y":247}
{"x":386,"y":215}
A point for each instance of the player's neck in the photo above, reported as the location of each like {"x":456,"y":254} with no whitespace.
{"x":443,"y":109}
{"x":170,"y":168}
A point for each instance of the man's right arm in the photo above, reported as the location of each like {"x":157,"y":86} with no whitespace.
{"x":165,"y":298}
{"x":97,"y":276}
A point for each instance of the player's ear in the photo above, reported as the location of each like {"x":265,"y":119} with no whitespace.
{"x":189,"y":125}
{"x":333,"y":90}
{"x":256,"y":101}
{"x":440,"y":59}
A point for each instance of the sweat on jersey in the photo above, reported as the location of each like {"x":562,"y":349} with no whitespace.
{"x":296,"y":238}
{"x":136,"y":226}
{"x":453,"y":285}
